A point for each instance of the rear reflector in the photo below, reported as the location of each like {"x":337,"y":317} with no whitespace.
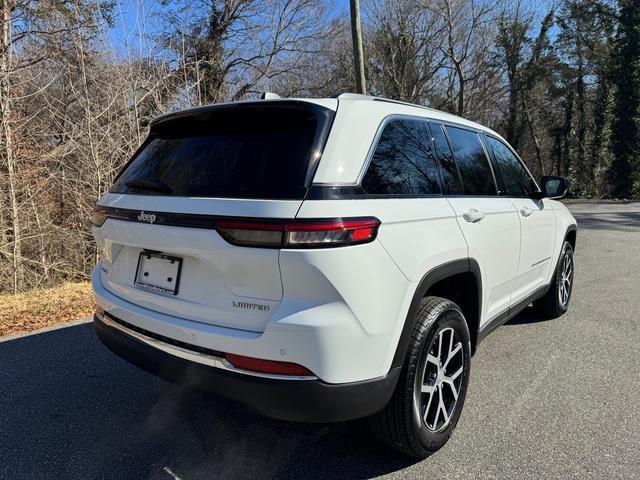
{"x":302,"y":233}
{"x":267,"y":366}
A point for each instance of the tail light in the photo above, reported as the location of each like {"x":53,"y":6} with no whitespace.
{"x":250,"y":233}
{"x":267,"y":366}
{"x":302,"y":233}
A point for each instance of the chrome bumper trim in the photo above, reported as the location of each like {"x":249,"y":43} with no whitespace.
{"x":193,"y":356}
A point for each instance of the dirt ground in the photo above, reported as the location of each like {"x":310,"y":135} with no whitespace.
{"x":37,"y":309}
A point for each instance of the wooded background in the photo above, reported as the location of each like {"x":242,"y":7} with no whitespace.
{"x":80,"y":81}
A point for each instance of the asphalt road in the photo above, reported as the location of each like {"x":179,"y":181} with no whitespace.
{"x":547,"y":399}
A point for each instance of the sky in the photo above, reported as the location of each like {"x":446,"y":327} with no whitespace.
{"x":131,"y":19}
{"x":135,"y":17}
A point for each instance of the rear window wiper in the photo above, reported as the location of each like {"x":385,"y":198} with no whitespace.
{"x":149,"y":185}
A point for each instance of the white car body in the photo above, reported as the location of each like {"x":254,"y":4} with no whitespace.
{"x":339,"y":312}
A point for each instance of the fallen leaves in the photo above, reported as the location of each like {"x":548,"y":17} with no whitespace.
{"x":37,"y":309}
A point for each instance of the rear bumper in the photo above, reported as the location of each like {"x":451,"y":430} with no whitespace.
{"x":321,"y":333}
{"x":293,"y":400}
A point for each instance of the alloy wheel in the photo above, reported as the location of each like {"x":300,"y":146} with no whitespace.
{"x":566,"y":278}
{"x":441,"y":380}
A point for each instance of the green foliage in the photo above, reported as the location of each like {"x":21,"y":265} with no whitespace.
{"x":584,"y":47}
{"x":527,"y":60}
{"x":624,"y":173}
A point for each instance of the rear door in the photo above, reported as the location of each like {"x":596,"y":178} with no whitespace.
{"x":489,"y":223}
{"x":536,"y":218}
{"x":159,"y":246}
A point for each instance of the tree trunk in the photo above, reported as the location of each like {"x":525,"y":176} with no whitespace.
{"x":7,"y":142}
{"x":512,"y":117}
{"x":534,"y":136}
{"x":41,"y":243}
{"x":583,"y":169}
{"x":358,"y":53}
{"x":461,"y":82}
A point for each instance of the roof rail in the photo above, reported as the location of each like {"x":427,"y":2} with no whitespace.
{"x":359,"y":96}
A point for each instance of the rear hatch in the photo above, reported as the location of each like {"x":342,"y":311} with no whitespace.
{"x":156,"y":228}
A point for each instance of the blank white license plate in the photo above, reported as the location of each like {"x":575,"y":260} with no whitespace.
{"x":158,"y":272}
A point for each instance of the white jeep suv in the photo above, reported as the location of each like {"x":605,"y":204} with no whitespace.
{"x":322,"y":260}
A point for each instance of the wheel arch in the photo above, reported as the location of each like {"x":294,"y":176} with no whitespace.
{"x":571,"y":235}
{"x":460,"y":279}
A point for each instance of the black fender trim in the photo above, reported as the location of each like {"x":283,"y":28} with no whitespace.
{"x":570,"y":228}
{"x":432,"y":277}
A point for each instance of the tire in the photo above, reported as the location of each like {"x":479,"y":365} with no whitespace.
{"x":403,"y":424}
{"x":556,"y":301}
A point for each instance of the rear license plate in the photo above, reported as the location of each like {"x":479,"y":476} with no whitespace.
{"x":158,"y":273}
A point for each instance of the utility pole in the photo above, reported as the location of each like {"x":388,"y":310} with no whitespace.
{"x":358,"y":55}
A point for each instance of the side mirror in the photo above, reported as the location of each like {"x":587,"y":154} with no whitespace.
{"x":554,"y":187}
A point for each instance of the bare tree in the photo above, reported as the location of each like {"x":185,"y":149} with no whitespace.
{"x":404,"y":54}
{"x":37,"y":30}
{"x":525,"y":58}
{"x":241,"y":46}
{"x":9,"y":7}
{"x":468,"y":26}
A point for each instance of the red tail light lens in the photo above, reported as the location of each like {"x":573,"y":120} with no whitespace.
{"x":303,"y":233}
{"x":251,"y":233}
{"x":330,"y":233}
{"x":267,"y":366}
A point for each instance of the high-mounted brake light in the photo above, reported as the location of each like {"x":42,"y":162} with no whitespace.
{"x":302,"y":233}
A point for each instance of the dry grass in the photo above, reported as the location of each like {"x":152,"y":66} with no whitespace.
{"x":33,"y":310}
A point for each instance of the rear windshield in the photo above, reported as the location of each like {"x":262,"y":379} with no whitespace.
{"x":244,"y":151}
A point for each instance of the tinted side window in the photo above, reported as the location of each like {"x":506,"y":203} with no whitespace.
{"x":450,"y":176}
{"x":472,"y":162}
{"x":403,"y":162}
{"x":517,"y":181}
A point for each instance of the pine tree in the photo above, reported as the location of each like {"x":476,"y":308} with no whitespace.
{"x":624,"y":174}
{"x":583,"y":44}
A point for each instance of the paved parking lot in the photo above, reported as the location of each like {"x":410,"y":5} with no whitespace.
{"x":554,"y":399}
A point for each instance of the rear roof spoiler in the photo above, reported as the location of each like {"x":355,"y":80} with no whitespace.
{"x":270,"y":101}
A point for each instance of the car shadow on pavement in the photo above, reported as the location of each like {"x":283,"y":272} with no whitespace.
{"x":527,"y":316}
{"x":71,"y":409}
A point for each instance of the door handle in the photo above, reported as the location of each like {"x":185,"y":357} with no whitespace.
{"x":526,"y":211}
{"x":473,"y":215}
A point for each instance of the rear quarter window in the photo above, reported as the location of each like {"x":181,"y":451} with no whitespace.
{"x":403,"y":162}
